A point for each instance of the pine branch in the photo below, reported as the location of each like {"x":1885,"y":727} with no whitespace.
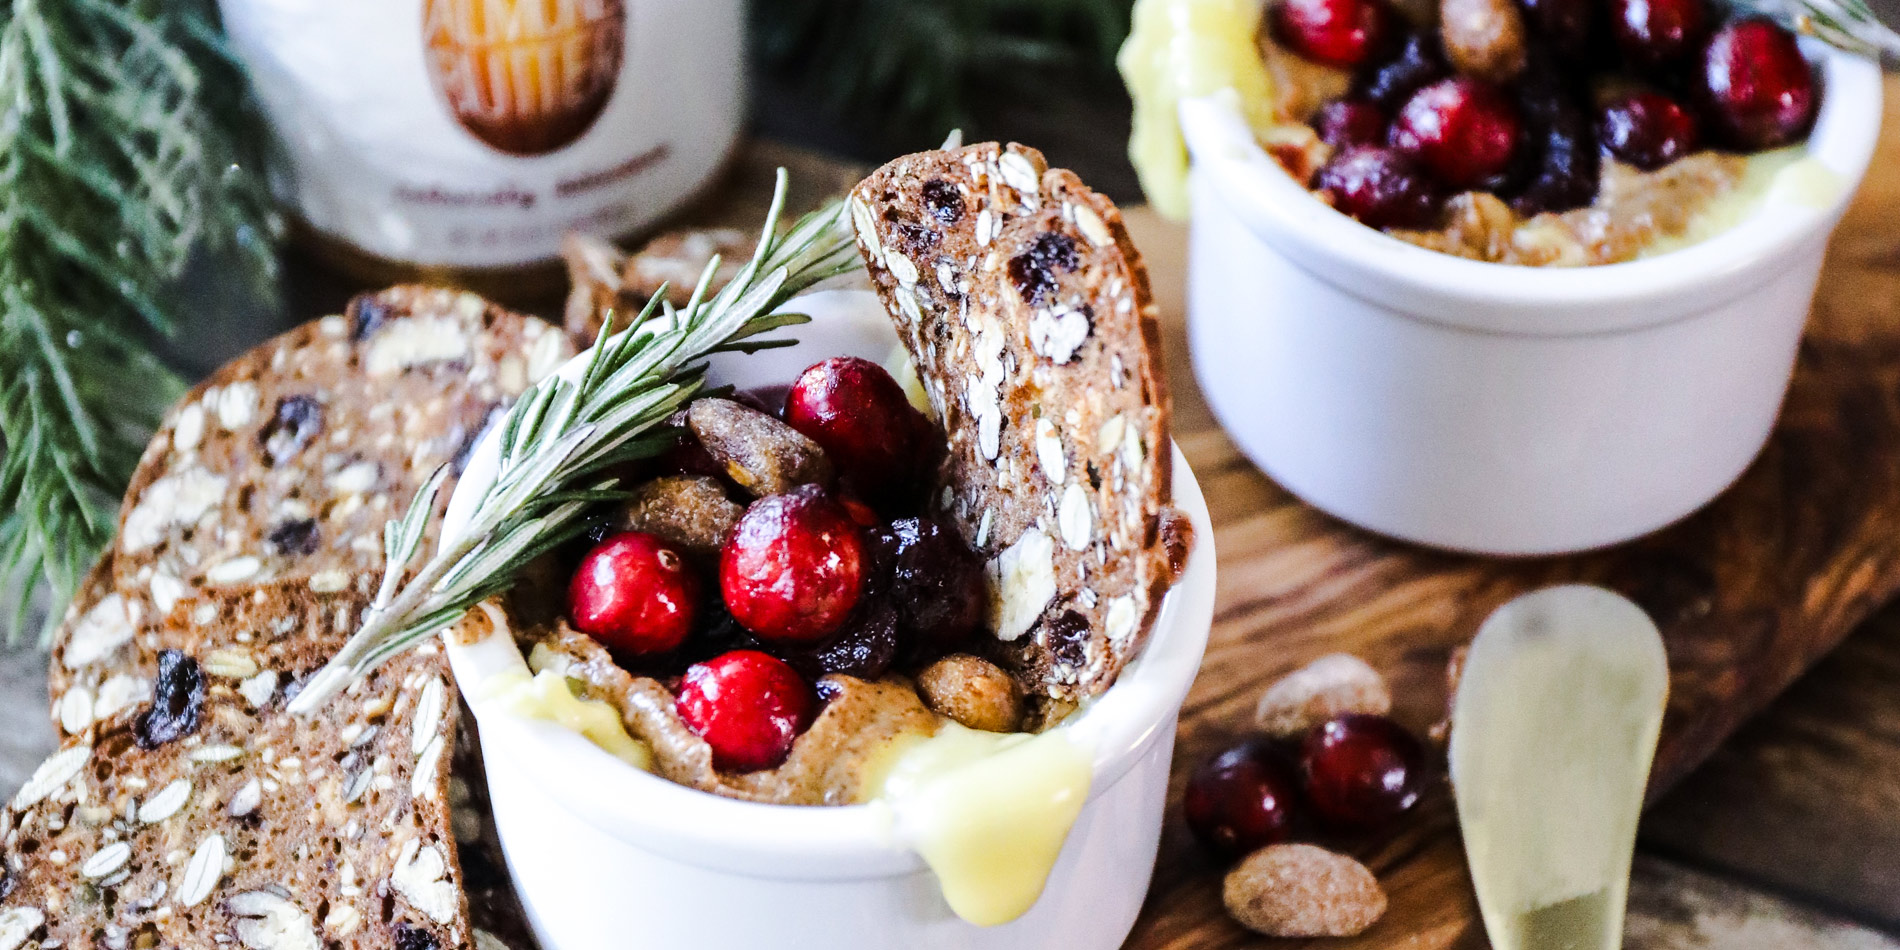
{"x":561,"y":436}
{"x":917,"y":63}
{"x":127,"y":144}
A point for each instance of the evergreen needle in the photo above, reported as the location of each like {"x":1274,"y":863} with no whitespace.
{"x":127,"y":143}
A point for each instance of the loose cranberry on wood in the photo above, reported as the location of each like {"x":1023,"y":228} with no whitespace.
{"x":748,"y":706}
{"x":794,"y":567}
{"x":1657,"y":34}
{"x":1380,"y":187}
{"x":1646,"y":129}
{"x":860,"y":415}
{"x":1242,"y":799}
{"x":1756,"y":87}
{"x":635,"y":594}
{"x":1464,"y":131}
{"x":1342,"y":33}
{"x":1361,"y":771}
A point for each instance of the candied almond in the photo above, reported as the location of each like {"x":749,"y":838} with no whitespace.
{"x":763,"y":455}
{"x":1299,"y":890}
{"x":1327,"y":687}
{"x":690,"y":511}
{"x":973,"y":691}
{"x":1483,"y":38}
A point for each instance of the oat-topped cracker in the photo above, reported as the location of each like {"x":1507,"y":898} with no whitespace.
{"x":1027,"y":312}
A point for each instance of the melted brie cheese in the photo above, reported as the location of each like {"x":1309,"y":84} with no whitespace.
{"x":988,"y":812}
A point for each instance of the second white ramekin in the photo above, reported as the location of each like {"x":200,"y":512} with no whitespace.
{"x":605,"y":856}
{"x":1490,"y":408}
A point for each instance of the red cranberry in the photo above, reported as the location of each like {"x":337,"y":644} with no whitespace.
{"x":1380,"y":187}
{"x":748,"y":706}
{"x":860,"y":415}
{"x":1344,"y":123}
{"x":1655,"y":34}
{"x":634,"y":593}
{"x":794,"y":567}
{"x":1341,"y":33}
{"x":1462,"y":130}
{"x":1242,"y":800}
{"x":1647,"y":129}
{"x":1756,"y":86}
{"x":1362,"y":771}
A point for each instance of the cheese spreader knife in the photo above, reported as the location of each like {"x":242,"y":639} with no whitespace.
{"x":1553,"y":731}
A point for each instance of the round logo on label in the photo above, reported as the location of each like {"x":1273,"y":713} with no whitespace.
{"x":527,"y":77}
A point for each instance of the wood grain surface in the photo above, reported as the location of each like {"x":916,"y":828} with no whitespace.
{"x":1806,"y":798}
{"x":1749,"y":593}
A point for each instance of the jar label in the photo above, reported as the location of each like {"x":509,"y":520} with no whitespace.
{"x":477,"y":133}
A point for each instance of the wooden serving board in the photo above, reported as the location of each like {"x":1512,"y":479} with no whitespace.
{"x":1748,"y":593}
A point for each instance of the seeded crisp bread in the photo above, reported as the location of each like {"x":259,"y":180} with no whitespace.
{"x":187,"y":808}
{"x":1028,"y":314}
{"x":285,"y":464}
{"x":207,"y":823}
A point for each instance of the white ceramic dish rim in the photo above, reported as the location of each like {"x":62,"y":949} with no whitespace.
{"x":1544,"y":301}
{"x":843,"y":842}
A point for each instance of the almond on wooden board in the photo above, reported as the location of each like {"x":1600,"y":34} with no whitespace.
{"x":1298,"y":890}
{"x":1332,"y":685}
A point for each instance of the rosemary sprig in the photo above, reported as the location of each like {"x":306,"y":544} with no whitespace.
{"x":561,"y":436}
{"x":1848,"y":24}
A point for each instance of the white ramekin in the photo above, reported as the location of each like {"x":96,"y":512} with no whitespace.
{"x":606,"y":856}
{"x":1490,"y":408}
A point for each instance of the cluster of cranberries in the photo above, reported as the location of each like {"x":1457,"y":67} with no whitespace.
{"x":1647,"y":81}
{"x":1354,"y":773}
{"x":814,"y":580}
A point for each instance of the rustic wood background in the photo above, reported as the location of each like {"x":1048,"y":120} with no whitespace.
{"x":1789,"y":837}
